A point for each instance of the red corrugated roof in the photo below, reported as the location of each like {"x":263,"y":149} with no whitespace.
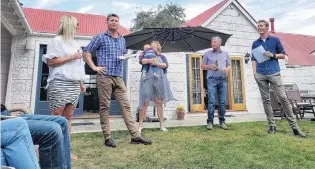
{"x":46,"y":21}
{"x":201,"y":18}
{"x":298,"y":48}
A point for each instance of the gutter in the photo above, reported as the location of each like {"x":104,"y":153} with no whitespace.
{"x":19,"y":12}
{"x":53,"y":35}
{"x":299,"y":66}
{"x":8,"y":27}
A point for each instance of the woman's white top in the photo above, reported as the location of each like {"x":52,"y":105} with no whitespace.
{"x":71,"y":71}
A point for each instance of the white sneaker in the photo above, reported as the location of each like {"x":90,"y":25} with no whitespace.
{"x":163,"y":129}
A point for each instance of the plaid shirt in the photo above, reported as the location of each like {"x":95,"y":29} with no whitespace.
{"x":108,"y":49}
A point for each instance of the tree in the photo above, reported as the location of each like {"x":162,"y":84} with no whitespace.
{"x":170,"y":15}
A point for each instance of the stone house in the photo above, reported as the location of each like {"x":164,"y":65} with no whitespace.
{"x":25,"y":33}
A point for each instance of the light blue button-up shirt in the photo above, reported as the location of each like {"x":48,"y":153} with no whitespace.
{"x":211,"y":57}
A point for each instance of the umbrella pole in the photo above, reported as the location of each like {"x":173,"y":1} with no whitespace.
{"x":153,"y":118}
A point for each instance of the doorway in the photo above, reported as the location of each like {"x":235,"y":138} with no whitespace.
{"x":41,"y":102}
{"x":198,"y":90}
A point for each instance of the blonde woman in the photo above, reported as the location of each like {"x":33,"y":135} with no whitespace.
{"x":154,"y":89}
{"x":66,"y":70}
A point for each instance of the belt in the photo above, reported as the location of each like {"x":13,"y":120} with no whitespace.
{"x":218,"y":78}
{"x":101,"y":74}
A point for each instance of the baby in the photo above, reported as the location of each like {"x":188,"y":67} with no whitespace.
{"x":149,"y":53}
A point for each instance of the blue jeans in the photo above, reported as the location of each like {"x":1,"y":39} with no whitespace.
{"x":216,"y":86}
{"x":51,"y":134}
{"x":146,"y":66}
{"x":17,"y":149}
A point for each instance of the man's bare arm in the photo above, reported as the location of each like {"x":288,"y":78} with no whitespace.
{"x":89,"y":61}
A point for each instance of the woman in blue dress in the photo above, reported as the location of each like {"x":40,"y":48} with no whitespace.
{"x":154,"y":89}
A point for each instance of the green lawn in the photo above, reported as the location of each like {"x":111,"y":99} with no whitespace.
{"x":247,"y":145}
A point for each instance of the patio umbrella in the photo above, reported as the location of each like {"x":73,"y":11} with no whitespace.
{"x":182,"y":39}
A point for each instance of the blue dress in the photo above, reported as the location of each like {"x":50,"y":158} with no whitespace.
{"x":153,"y":88}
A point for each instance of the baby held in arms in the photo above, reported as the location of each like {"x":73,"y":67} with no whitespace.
{"x":149,"y":53}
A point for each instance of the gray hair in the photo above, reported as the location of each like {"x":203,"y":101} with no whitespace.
{"x":217,"y":38}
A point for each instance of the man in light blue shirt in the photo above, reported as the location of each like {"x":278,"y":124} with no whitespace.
{"x":217,"y":64}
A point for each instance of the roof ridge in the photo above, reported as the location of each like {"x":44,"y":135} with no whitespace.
{"x":218,"y":6}
{"x":35,"y":13}
{"x":295,"y":34}
{"x":61,"y":11}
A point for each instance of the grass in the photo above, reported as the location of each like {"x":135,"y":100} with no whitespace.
{"x":246,"y":145}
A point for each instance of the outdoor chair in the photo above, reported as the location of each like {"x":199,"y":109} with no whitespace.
{"x":303,"y":106}
{"x":276,"y":104}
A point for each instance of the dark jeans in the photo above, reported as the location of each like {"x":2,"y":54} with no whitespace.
{"x":216,"y":85}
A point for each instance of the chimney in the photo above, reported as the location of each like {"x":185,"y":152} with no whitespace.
{"x":272,"y":24}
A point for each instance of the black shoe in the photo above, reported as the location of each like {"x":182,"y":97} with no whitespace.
{"x":110,"y":143}
{"x":272,"y":129}
{"x":298,"y":132}
{"x":140,"y":140}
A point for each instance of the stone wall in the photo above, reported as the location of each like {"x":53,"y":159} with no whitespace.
{"x":177,"y":76}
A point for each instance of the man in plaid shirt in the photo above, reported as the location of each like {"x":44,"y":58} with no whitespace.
{"x":109,"y":46}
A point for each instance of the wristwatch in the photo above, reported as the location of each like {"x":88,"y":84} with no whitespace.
{"x":19,"y":114}
{"x":274,"y":55}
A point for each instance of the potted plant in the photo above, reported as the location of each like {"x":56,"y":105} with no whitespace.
{"x":180,"y":111}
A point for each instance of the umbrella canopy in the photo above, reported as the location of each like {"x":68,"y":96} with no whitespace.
{"x":182,"y":39}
